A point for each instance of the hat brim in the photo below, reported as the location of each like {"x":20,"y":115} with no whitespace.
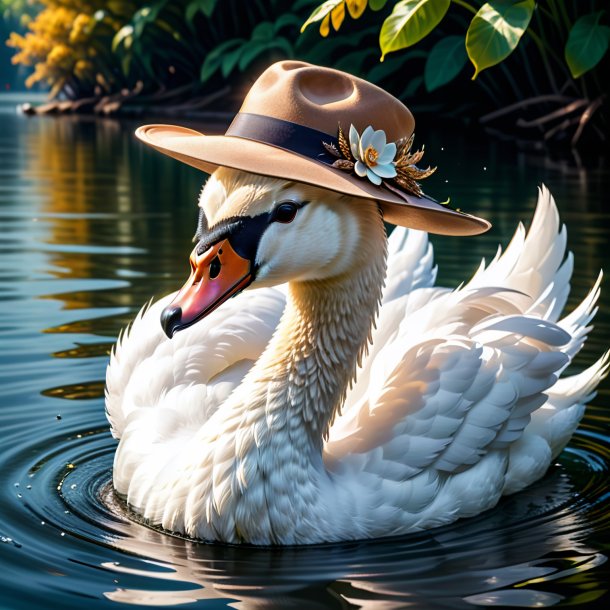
{"x":207,"y":153}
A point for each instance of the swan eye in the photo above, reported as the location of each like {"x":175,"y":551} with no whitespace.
{"x":285,"y":212}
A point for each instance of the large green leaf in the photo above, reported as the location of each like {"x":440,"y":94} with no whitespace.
{"x":447,"y":58}
{"x":409,"y":22}
{"x":320,"y":12}
{"x":587,"y":43}
{"x":495,"y":31}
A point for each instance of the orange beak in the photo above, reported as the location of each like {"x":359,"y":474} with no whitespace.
{"x":216,"y":275}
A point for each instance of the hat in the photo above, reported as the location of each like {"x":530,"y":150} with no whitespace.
{"x":326,"y":128}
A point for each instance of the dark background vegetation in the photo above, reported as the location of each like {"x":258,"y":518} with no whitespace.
{"x":198,"y":57}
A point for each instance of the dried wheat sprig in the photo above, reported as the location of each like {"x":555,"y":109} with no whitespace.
{"x":344,"y":145}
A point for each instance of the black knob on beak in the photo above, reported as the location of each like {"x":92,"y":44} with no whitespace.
{"x":171,"y":317}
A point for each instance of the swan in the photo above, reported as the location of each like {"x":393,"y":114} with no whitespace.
{"x":342,"y":395}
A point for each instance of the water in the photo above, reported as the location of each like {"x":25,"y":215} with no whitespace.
{"x":91,"y":226}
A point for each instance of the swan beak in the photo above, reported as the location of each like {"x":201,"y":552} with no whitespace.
{"x":216,"y":275}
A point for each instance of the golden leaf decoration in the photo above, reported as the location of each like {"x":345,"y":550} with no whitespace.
{"x":407,"y":172}
{"x":344,"y":145}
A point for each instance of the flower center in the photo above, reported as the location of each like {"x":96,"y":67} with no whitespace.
{"x":370,"y":156}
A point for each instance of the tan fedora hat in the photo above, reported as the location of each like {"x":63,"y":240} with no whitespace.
{"x":289,"y":127}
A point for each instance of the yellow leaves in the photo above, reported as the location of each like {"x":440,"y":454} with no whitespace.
{"x":337,"y":16}
{"x":81,"y":28}
{"x":59,"y":43}
{"x":83,"y":69}
{"x":355,"y":7}
{"x":60,"y":57}
{"x":332,"y":12}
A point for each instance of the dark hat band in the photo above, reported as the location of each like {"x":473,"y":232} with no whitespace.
{"x":292,"y":137}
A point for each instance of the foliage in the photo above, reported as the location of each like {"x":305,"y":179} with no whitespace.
{"x":495,"y":31}
{"x":410,"y":21}
{"x":550,"y":92}
{"x":492,"y":35}
{"x":550,"y":50}
{"x":67,"y":44}
{"x":445,"y":62}
{"x":587,"y":44}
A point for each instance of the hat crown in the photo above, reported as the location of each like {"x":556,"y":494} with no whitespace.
{"x":322,"y":98}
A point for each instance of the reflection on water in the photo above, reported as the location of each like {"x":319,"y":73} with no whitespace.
{"x":91,"y":226}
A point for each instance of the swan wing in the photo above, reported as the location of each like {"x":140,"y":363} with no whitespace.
{"x":462,"y":373}
{"x":195,"y":371}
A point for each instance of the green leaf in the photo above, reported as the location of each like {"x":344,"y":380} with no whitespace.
{"x":253,"y":50}
{"x":587,"y":43}
{"x":410,"y":21}
{"x":495,"y":31}
{"x":196,"y":6}
{"x":229,"y":61}
{"x":377,"y":5}
{"x":262,"y":32}
{"x":286,"y":19}
{"x":215,"y":56}
{"x":250,"y":52}
{"x":283,"y":44}
{"x":447,"y":58}
{"x":320,"y":12}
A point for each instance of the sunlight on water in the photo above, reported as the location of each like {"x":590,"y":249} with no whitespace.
{"x":91,"y":226}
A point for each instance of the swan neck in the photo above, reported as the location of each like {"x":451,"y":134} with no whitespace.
{"x":322,"y":337}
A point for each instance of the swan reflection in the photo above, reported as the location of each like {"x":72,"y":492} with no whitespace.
{"x":502,"y":558}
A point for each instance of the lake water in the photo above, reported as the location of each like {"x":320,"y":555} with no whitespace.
{"x":91,"y":226}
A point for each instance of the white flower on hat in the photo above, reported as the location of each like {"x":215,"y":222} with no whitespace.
{"x":374,"y":158}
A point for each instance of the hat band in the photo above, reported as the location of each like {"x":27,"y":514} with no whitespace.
{"x":290,"y":136}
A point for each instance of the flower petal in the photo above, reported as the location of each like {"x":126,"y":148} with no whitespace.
{"x":360,"y":168}
{"x":385,"y":171}
{"x":374,"y":178}
{"x":388,"y":154}
{"x":378,"y":140}
{"x":365,"y":140}
{"x":354,"y":140}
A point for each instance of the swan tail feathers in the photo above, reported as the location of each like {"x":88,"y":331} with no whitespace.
{"x":565,"y":406}
{"x":552,"y":426}
{"x":578,"y":323}
{"x":534,"y":263}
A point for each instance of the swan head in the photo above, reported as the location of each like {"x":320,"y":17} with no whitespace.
{"x":261,"y":231}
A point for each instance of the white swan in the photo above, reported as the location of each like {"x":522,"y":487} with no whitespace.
{"x":247,"y":426}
